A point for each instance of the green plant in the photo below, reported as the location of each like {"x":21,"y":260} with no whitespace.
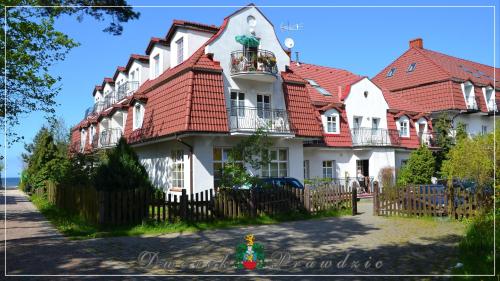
{"x":442,"y":126}
{"x":419,"y":169}
{"x":121,"y":170}
{"x":386,"y":177}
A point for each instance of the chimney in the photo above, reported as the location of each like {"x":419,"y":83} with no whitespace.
{"x":417,"y":43}
{"x":289,"y":53}
{"x":297,"y":62}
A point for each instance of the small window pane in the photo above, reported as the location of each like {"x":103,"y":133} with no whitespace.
{"x":283,"y":155}
{"x":217,"y":154}
{"x":273,"y":155}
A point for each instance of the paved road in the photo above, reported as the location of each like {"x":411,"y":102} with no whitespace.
{"x":327,"y":246}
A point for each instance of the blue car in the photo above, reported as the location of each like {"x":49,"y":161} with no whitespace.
{"x":279,"y":182}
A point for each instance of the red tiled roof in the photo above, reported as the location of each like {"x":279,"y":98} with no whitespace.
{"x":303,"y":116}
{"x":133,"y":57}
{"x":409,"y":142}
{"x":334,"y":80}
{"x":118,"y":70}
{"x":343,"y":139}
{"x":154,"y":41}
{"x":186,"y":98}
{"x":189,"y":25}
{"x":434,"y":85}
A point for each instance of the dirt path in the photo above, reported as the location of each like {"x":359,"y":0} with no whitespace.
{"x":343,"y":245}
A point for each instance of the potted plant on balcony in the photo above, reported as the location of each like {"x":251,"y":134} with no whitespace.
{"x":261,"y":62}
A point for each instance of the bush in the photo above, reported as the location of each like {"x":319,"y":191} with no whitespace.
{"x":386,"y":177}
{"x":419,"y":169}
{"x":121,"y":170}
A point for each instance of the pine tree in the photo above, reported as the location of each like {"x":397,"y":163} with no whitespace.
{"x":419,"y":169}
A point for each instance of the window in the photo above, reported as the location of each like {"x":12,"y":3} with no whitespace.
{"x":156,"y":61}
{"x":331,"y":121}
{"x":138,"y":115}
{"x":328,"y":172}
{"x":221,"y":157}
{"x":375,"y":123}
{"x":92,"y":132}
{"x":132,"y":76}
{"x":403,"y":162}
{"x":404,"y":127}
{"x":391,"y":72}
{"x":356,"y":120}
{"x":278,"y":165}
{"x":264,"y":106}
{"x":306,"y":169}
{"x":484,"y":130}
{"x":318,"y":87}
{"x":411,"y":67}
{"x":237,"y":104}
{"x":83,"y":139}
{"x":180,"y":50}
{"x":177,"y":168}
{"x":470,"y":99}
{"x":490,"y":99}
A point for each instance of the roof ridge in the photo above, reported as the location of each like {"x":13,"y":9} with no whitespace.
{"x":455,"y":57}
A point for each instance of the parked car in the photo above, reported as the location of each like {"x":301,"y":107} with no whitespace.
{"x":278,"y":182}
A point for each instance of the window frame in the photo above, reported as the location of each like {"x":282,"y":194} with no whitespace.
{"x":222,"y":161}
{"x":331,"y":117}
{"x":276,"y":162}
{"x":138,"y":117}
{"x":403,"y":120}
{"x":179,"y":43}
{"x":307,"y":171}
{"x":326,"y":168}
{"x":263,"y":107}
{"x":391,"y":72}
{"x":177,"y":168}
{"x":156,"y":61}
{"x":237,"y":105}
{"x":411,"y":67}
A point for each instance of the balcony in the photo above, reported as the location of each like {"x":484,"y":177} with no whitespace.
{"x":127,"y":89}
{"x":257,"y":65}
{"x":249,"y":119}
{"x":374,"y":137}
{"x":428,"y":139}
{"x":109,"y":137}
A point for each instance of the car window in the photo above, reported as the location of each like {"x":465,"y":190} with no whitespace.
{"x":295,"y":183}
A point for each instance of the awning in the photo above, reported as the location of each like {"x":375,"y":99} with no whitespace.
{"x":246,"y":40}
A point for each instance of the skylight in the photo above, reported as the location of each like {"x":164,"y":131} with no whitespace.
{"x":318,"y":87}
{"x":391,"y":72}
{"x":411,"y":67}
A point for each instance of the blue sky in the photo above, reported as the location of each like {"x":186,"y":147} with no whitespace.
{"x":360,"y":39}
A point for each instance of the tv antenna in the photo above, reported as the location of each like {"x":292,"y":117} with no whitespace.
{"x":291,"y":27}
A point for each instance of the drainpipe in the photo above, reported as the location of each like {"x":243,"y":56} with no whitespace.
{"x":190,"y":163}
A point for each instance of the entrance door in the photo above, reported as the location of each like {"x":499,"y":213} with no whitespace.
{"x":363,"y":167}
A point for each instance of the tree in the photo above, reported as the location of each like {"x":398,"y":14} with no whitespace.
{"x":460,"y":131}
{"x":419,"y":169}
{"x":121,"y":170}
{"x":471,"y":159}
{"x":442,"y":127}
{"x":253,"y":151}
{"x":33,"y":45}
{"x":45,"y":161}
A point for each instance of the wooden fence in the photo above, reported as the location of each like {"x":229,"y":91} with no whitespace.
{"x":424,"y":200}
{"x":135,"y":206}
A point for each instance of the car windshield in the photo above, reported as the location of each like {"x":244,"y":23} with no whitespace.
{"x":295,"y":183}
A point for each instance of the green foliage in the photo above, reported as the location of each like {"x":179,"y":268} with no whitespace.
{"x":121,"y":170}
{"x":44,"y":160}
{"x":460,"y":132}
{"x":386,"y":177}
{"x":442,"y":126}
{"x":33,"y":45}
{"x":471,"y":159}
{"x":252,"y":150}
{"x":419,"y":169}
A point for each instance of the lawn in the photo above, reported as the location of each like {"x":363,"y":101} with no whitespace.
{"x":75,"y":227}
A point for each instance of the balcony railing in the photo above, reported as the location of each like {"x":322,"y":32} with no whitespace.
{"x":472,"y":103}
{"x":260,"y":61}
{"x":251,"y":119}
{"x":374,"y":137}
{"x":109,"y":137}
{"x":428,"y":139}
{"x":127,"y":89}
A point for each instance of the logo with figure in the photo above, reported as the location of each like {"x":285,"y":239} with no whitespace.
{"x":249,"y":255}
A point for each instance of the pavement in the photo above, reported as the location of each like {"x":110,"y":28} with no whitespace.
{"x":350,"y":245}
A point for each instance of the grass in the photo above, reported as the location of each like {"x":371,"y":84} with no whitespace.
{"x":476,"y":248}
{"x":75,"y":227}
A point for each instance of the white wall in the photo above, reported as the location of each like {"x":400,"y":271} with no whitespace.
{"x":143,"y":71}
{"x":192,"y":41}
{"x":401,"y":155}
{"x":97,"y":96}
{"x":374,"y":105}
{"x":226,"y":43}
{"x":475,"y":121}
{"x":121,"y":78}
{"x":345,"y":160}
{"x":164,"y":53}
{"x":107,"y":89}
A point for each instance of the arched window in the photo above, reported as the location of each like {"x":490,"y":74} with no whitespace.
{"x":403,"y":125}
{"x":138,"y":115}
{"x":331,"y":121}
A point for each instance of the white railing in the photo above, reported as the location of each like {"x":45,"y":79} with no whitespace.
{"x":251,"y":119}
{"x":374,"y":137}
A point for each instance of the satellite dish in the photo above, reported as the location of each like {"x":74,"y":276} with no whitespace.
{"x":289,"y":43}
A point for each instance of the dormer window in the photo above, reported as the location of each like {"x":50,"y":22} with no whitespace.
{"x":83,"y":138}
{"x":489,"y":97}
{"x":403,"y":125}
{"x":470,"y":99}
{"x":92,"y":133}
{"x":411,"y":67}
{"x":391,"y":72}
{"x":180,"y":50}
{"x":138,"y":115}
{"x":156,"y":62}
{"x":331,"y":121}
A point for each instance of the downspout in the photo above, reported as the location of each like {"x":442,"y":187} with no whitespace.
{"x":190,"y":163}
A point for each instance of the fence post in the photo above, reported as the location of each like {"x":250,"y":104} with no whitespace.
{"x":253,"y":209}
{"x":307,"y":198}
{"x":451,"y":201}
{"x":376,"y":192}
{"x":183,"y":205}
{"x":354,"y":201}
